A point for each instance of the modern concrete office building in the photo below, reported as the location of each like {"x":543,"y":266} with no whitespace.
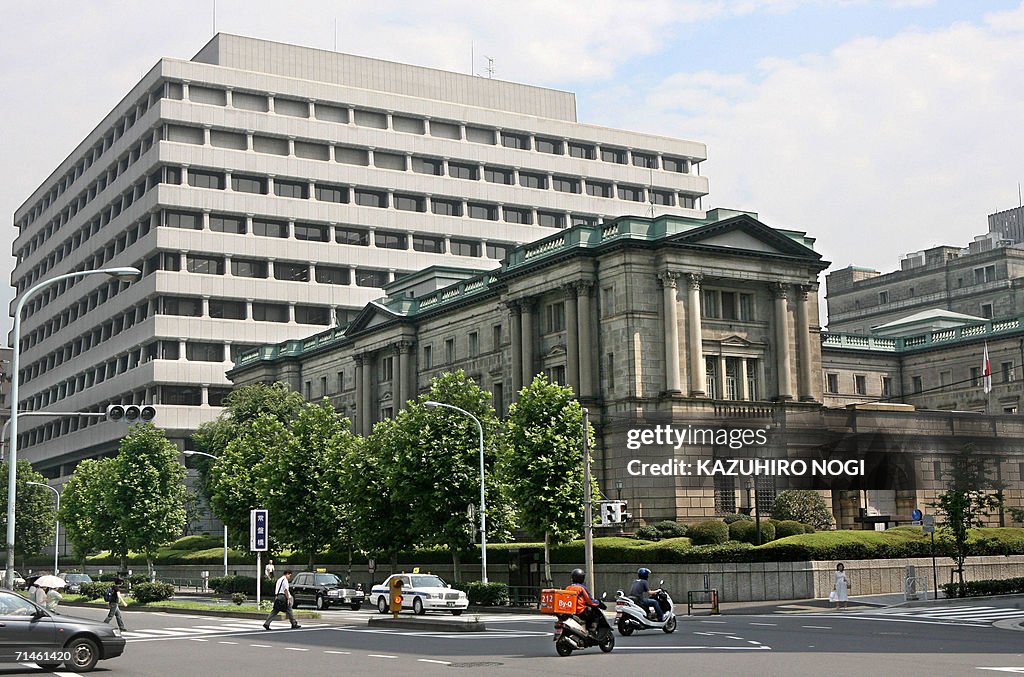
{"x":269,"y":191}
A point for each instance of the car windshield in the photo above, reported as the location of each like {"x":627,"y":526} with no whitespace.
{"x":427,"y":582}
{"x":327,"y":579}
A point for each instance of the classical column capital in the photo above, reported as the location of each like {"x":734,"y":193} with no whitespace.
{"x":403,"y":346}
{"x":569,"y":289}
{"x":780,"y":290}
{"x":694,"y":280}
{"x":804,"y":290}
{"x":668,"y":278}
{"x":514,"y":306}
{"x":583,"y":287}
{"x":526,"y":303}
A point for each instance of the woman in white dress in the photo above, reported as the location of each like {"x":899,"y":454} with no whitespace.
{"x":841,"y":587}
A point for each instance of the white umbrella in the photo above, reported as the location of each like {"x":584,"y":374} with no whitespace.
{"x":50,"y":581}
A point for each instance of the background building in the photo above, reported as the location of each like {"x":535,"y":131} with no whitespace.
{"x":269,"y":191}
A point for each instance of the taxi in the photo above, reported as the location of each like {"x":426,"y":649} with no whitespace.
{"x":421,"y":593}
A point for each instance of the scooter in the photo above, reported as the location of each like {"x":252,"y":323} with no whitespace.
{"x":630,"y":616}
{"x":571,"y":634}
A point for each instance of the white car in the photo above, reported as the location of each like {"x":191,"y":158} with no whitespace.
{"x":19,"y":582}
{"x":421,"y":593}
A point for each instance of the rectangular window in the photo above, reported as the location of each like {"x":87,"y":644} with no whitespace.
{"x":645,"y":160}
{"x":465,"y":247}
{"x":615,"y":155}
{"x":565,"y":184}
{"x":728,"y":299}
{"x":209,"y":265}
{"x":386,"y":370}
{"x":222,"y":309}
{"x":355,"y":236}
{"x":517,"y":215}
{"x":986,"y":310}
{"x":216,"y":396}
{"x":400,"y":123}
{"x":886,"y":386}
{"x":917,"y":384}
{"x":937,"y":470}
{"x":449,"y":351}
{"x":431,"y":245}
{"x":410,"y":203}
{"x":883,"y":298}
{"x":371,"y":198}
{"x":197,"y":351}
{"x":480,"y":135}
{"x":298,"y":109}
{"x":227,"y":224}
{"x":528,"y":180}
{"x":371,"y":278}
{"x":326,"y":193}
{"x":181,"y":395}
{"x":725,"y":494}
{"x":187,"y":220}
{"x":320,"y":315}
{"x":832,"y":383}
{"x":520,"y":141}
{"x":550,"y":220}
{"x":312,"y":151}
{"x":187,"y":307}
{"x":746,"y":307}
{"x":498,"y":398}
{"x":200,"y":179}
{"x":497,"y":175}
{"x":984,"y":274}
{"x":387,"y":240}
{"x":311,"y":232}
{"x":309,"y":390}
{"x":687,"y":201}
{"x":294,"y":189}
{"x":710,"y":304}
{"x":446,"y":207}
{"x":945,"y":377}
{"x":291,"y":272}
{"x":1006,"y":368}
{"x":444,"y":130}
{"x":366,"y":118}
{"x":351,"y":156}
{"x":341,"y":381}
{"x":265,"y":228}
{"x":422,"y":165}
{"x":384,"y":160}
{"x":611,"y":370}
{"x":270,"y":312}
{"x":976,"y":377}
{"x":552,"y":146}
{"x":598,"y":189}
{"x":556,"y":374}
{"x":582,"y":151}
{"x":474,"y":344}
{"x":496,"y":337}
{"x":460,"y":171}
{"x":248,"y":184}
{"x":860,"y":384}
{"x":249,"y":268}
{"x":428,"y":357}
{"x":661,"y":197}
{"x":555,"y":316}
{"x":247,"y":101}
{"x":482,"y":211}
{"x":678,"y":165}
{"x":333,"y":275}
{"x":632,"y":193}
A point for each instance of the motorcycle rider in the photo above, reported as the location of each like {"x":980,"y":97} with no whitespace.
{"x":641,"y":593}
{"x":586,"y":606}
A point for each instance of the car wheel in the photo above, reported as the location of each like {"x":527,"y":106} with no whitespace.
{"x":417,"y":606}
{"x":322,"y":603}
{"x":382,"y":605}
{"x":84,"y":654}
{"x":355,"y":607}
{"x":457,"y":612}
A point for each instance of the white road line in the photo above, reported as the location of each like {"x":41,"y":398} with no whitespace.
{"x":693,"y":648}
{"x":343,"y":653}
{"x":294,"y":648}
{"x":768,"y":624}
{"x":196,"y":639}
{"x":884,"y":619}
{"x":227,"y":642}
{"x":719,"y":622}
{"x":262,"y":646}
{"x":817,"y":627}
{"x":33,"y":666}
{"x":380,"y":655}
{"x":429,"y":660}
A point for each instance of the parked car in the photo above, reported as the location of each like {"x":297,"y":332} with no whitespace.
{"x":74,"y":581}
{"x":51,"y":639}
{"x":421,"y":593}
{"x":324,"y":590}
{"x":19,"y":581}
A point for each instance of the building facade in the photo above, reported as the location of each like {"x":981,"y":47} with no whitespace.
{"x":268,"y":192}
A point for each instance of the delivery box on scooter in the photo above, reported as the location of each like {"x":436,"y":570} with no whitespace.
{"x":555,"y":601}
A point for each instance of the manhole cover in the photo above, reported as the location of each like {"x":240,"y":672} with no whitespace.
{"x":479,"y":664}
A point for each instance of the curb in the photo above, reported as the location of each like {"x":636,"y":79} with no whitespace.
{"x":955,"y":600}
{"x":437,"y":625}
{"x":502,"y":610}
{"x":1010,"y":624}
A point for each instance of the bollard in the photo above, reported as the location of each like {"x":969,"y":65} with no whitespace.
{"x":714,"y":603}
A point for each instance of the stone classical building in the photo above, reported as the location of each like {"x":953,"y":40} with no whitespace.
{"x":708,"y":322}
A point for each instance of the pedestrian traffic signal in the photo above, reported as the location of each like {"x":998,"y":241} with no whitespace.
{"x":131,"y":413}
{"x":611,"y":512}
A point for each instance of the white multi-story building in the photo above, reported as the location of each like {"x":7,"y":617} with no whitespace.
{"x":268,"y":191}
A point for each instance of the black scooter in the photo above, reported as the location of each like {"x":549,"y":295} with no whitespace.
{"x":571,"y":633}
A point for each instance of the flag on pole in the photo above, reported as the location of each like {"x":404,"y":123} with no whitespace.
{"x":986,"y":372}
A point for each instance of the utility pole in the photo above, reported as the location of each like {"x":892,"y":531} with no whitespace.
{"x":588,"y":516}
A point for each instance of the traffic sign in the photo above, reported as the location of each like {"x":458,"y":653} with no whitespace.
{"x":928,"y":525}
{"x":259,"y":530}
{"x":916,"y":515}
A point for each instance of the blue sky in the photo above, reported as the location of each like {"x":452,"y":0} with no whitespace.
{"x":881,"y":127}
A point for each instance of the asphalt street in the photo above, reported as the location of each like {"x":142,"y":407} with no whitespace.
{"x":787,"y":639}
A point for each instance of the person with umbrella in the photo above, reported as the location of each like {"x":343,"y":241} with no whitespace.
{"x":45,"y":594}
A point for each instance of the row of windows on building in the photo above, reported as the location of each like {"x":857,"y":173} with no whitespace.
{"x":383,"y":159}
{"x":979,"y":275}
{"x":342,"y":113}
{"x":835,"y":385}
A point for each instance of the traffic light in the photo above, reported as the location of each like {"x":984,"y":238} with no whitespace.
{"x":131,"y":413}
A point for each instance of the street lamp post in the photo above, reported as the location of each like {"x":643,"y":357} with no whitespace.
{"x":483,"y":505}
{"x":56,"y":532}
{"x":203,"y":453}
{"x":124,"y":274}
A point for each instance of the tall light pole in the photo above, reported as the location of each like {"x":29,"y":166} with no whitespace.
{"x":483,"y":505}
{"x":124,"y":274}
{"x":203,"y":453}
{"x":56,"y":532}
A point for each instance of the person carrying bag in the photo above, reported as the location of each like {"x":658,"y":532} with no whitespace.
{"x":282,"y":601}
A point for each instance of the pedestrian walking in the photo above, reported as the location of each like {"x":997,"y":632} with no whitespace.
{"x":841,"y":588}
{"x":268,"y":570}
{"x":53,"y":598}
{"x":282,"y":601}
{"x":114,"y":596}
{"x":38,"y":595}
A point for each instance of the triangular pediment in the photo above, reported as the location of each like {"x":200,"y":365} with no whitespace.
{"x":556,"y":350}
{"x":736,"y":341}
{"x":372,"y":315}
{"x":747,"y":234}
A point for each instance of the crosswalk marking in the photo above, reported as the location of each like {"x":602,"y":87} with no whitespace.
{"x":965,"y":615}
{"x":192,"y":631}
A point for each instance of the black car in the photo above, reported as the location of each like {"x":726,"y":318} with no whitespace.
{"x":31,"y":634}
{"x":323,"y":590}
{"x":74,"y":581}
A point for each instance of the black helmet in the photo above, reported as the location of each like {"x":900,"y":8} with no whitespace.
{"x":577,"y":575}
{"x":643,"y":573}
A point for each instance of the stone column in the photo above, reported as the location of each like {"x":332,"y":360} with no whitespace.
{"x":397,"y":385}
{"x":803,"y":339}
{"x":584,"y":319}
{"x":367,"y":405}
{"x":669,"y":290}
{"x":782,"y":357}
{"x":527,"y":340}
{"x":572,"y":338}
{"x":695,"y":337}
{"x":359,"y":394}
{"x":743,"y":376}
{"x":516,"y":334}
{"x":406,"y":373}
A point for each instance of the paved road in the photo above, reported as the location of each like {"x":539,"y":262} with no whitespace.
{"x":949,"y":639}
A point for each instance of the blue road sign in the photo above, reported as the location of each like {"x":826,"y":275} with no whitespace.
{"x":916,"y":515}
{"x":259,"y":530}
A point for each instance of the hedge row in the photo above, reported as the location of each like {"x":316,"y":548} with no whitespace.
{"x":486,"y":594}
{"x":225,"y":585}
{"x":1006,"y":586}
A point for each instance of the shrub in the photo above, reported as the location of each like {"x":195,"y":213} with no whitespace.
{"x":802,"y":505}
{"x":711,"y":532}
{"x":109,"y":576}
{"x":647,"y":533}
{"x":225,"y":585}
{"x":94,"y":590}
{"x":746,"y":532}
{"x":239,"y":598}
{"x":1006,"y":586}
{"x":135,"y":579}
{"x":656,"y":532}
{"x":486,"y":594}
{"x":196,"y":542}
{"x":144,"y":593}
{"x":737,"y":517}
{"x":788,"y":528}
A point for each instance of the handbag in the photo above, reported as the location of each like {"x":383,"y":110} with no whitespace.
{"x":832,"y":596}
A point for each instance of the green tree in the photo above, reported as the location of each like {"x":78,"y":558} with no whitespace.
{"x":969,"y":498}
{"x":802,"y":505}
{"x":85,"y":512}
{"x":300,"y":480}
{"x":148,"y":491}
{"x":35,"y":512}
{"x":545,"y":461}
